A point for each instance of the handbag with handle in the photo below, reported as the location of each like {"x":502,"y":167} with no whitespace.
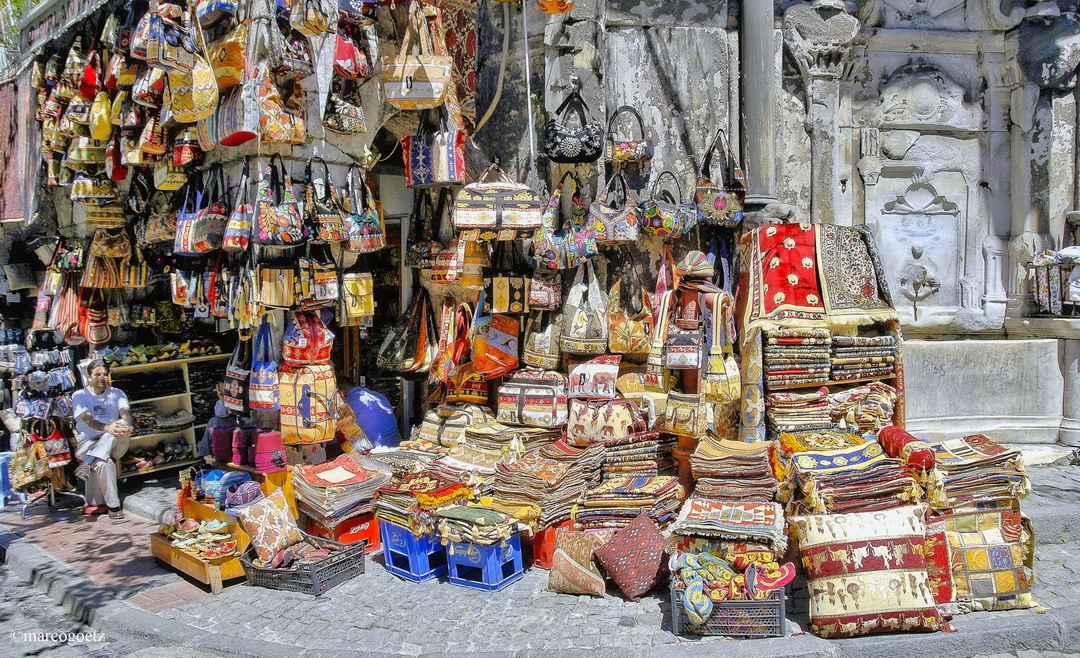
{"x":307,"y":398}
{"x":322,"y":209}
{"x":193,"y":89}
{"x":506,"y":285}
{"x":629,"y":332}
{"x":319,"y":286}
{"x":497,"y":208}
{"x":277,"y":286}
{"x":545,"y":290}
{"x":494,"y":342}
{"x":199,"y":229}
{"x":307,"y":340}
{"x":567,"y":144}
{"x":277,"y":214}
{"x":543,"y":332}
{"x":560,"y":245}
{"x":687,"y":414}
{"x":454,"y":348}
{"x":357,"y":299}
{"x":411,"y":345}
{"x":421,"y":245}
{"x":629,"y":149}
{"x":161,"y":222}
{"x":595,"y":378}
{"x":263,"y":388}
{"x":363,"y":215}
{"x":684,"y":346}
{"x":585,"y":329}
{"x":237,"y":378}
{"x":535,"y":398}
{"x":344,"y":113}
{"x":434,"y":158}
{"x":237,"y":234}
{"x":414,"y":81}
{"x":350,"y":60}
{"x":721,"y":380}
{"x":721,"y":204}
{"x":616,"y":214}
{"x":595,"y":421}
{"x":665,"y":215}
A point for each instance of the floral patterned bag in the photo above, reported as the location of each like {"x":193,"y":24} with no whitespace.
{"x":721,"y":204}
{"x":277,"y":213}
{"x":585,"y":330}
{"x":628,"y":334}
{"x":554,"y":249}
{"x":363,"y":215}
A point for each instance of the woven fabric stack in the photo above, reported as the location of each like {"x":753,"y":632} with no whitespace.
{"x":510,"y":438}
{"x":760,"y":523}
{"x":863,"y":357}
{"x":867,"y":408}
{"x":411,"y":501}
{"x":799,"y":412}
{"x":337,"y":490}
{"x":645,"y":453}
{"x":552,"y":478}
{"x":796,"y":355}
{"x":977,"y":468}
{"x":733,"y":470}
{"x":469,"y":464}
{"x":616,"y":501}
{"x":485,"y":522}
{"x":858,"y":479}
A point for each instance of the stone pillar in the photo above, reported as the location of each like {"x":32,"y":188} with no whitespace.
{"x":1070,"y":412}
{"x":819,"y":35}
{"x":758,"y":84}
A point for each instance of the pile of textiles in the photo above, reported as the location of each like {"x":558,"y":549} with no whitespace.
{"x":617,"y":501}
{"x":858,"y":479}
{"x":411,"y":501}
{"x":338,"y":490}
{"x":486,"y":521}
{"x":761,"y":523}
{"x":799,"y":412}
{"x":402,"y":462}
{"x":795,"y":356}
{"x":510,"y":438}
{"x":868,"y":407}
{"x":468,"y":464}
{"x":733,"y":470}
{"x":553,"y":478}
{"x":644,"y":453}
{"x":861,"y":357}
{"x":977,"y":468}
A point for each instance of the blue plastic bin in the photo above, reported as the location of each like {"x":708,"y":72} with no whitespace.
{"x":411,"y":557}
{"x":489,"y":568}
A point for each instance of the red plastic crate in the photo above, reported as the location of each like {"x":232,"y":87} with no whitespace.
{"x":362,"y":528}
{"x":541,"y":546}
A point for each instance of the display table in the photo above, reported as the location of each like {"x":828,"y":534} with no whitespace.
{"x":211,"y":572}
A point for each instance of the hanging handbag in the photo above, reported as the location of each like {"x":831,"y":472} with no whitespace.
{"x":318,"y":278}
{"x":168,"y":176}
{"x":721,"y":380}
{"x":684,"y":347}
{"x":628,"y":334}
{"x":434,"y":158}
{"x":308,"y":404}
{"x":630,"y":149}
{"x":494,"y":342}
{"x":585,"y":328}
{"x":344,"y":114}
{"x":193,"y":89}
{"x":134,"y":272}
{"x":449,"y":263}
{"x":350,"y":61}
{"x":229,"y":59}
{"x":543,"y":333}
{"x":566,"y":144}
{"x":595,"y":378}
{"x":322,"y":210}
{"x":96,"y":189}
{"x":407,"y":345}
{"x":237,"y":233}
{"x":687,"y":414}
{"x":161,"y":223}
{"x":186,"y":149}
{"x":210,"y":12}
{"x":100,"y":127}
{"x":414,"y":81}
{"x":277,"y":286}
{"x":665,"y":215}
{"x":308,"y":18}
{"x":307,"y":340}
{"x":363,"y":215}
{"x":241,"y":110}
{"x":467,"y":386}
{"x":721,"y":204}
{"x":86,"y":150}
{"x":421,"y":245}
{"x":616,"y":217}
{"x":263,"y":387}
{"x":90,"y":83}
{"x":506,"y":285}
{"x":357,"y":298}
{"x":497,"y":208}
{"x":114,"y":166}
{"x":454,"y":348}
{"x":555,"y":248}
{"x":290,"y":51}
{"x":535,"y":398}
{"x":596,"y":421}
{"x":545,"y":290}
{"x":109,"y":215}
{"x":474,"y":258}
{"x":278,"y":220}
{"x":108,"y":244}
{"x":149,"y":88}
{"x":202,"y":232}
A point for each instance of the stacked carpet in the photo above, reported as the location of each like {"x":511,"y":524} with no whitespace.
{"x":858,"y":479}
{"x":798,"y":412}
{"x":761,"y":523}
{"x":552,"y":478}
{"x":977,"y":468}
{"x":796,"y":356}
{"x":497,"y":437}
{"x":411,"y":501}
{"x":337,"y":490}
{"x":484,"y":522}
{"x":862,"y":357}
{"x":733,"y":470}
{"x":617,"y":501}
{"x":645,"y":454}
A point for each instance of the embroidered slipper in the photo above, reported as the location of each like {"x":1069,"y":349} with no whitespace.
{"x":695,"y":601}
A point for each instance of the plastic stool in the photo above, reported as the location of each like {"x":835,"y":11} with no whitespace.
{"x":489,"y":568}
{"x":411,"y":557}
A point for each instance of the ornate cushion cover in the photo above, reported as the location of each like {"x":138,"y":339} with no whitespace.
{"x":271,"y":525}
{"x":991,"y":552}
{"x":572,"y":567}
{"x":867,"y":572}
{"x":939,"y":564}
{"x":634,"y":557}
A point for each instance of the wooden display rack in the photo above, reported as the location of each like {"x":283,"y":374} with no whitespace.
{"x":211,"y":572}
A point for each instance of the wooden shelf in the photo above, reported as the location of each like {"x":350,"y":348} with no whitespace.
{"x":154,"y":469}
{"x":135,"y":367}
{"x":159,"y":435}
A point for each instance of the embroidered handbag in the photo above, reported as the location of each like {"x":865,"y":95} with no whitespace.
{"x":584,"y":328}
{"x":616,"y":218}
{"x":665,"y":215}
{"x":193,"y":91}
{"x":94,"y":189}
{"x":322,"y":210}
{"x":684,"y":347}
{"x":421,"y":245}
{"x":201,"y":232}
{"x":186,"y":147}
{"x":535,"y":398}
{"x":237,"y":378}
{"x":721,"y":204}
{"x":277,"y":286}
{"x":149,"y":88}
{"x":506,"y":286}
{"x":263,"y":387}
{"x":721,"y":380}
{"x":357,"y":298}
{"x":687,"y":414}
{"x":595,"y":378}
{"x":308,"y":404}
{"x":543,"y":332}
{"x":449,"y":263}
{"x":344,"y":114}
{"x":307,"y":340}
{"x":290,"y":51}
{"x":161,"y":223}
{"x":554,"y":249}
{"x":414,"y":81}
{"x":277,"y":215}
{"x":238,"y":227}
{"x":573,"y":145}
{"x":596,"y":421}
{"x":434,"y":158}
{"x":628,"y":334}
{"x":545,"y":290}
{"x":86,"y":150}
{"x":168,"y":176}
{"x":494,"y":342}
{"x":152,"y":140}
{"x":363,"y":215}
{"x":350,"y":61}
{"x":496,"y":208}
{"x":474,"y":258}
{"x":630,"y":149}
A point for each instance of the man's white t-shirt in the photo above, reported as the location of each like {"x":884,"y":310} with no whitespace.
{"x":105,"y":408}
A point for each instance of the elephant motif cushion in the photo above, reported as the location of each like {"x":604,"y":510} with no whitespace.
{"x":595,"y":378}
{"x":572,"y":568}
{"x":271,"y":525}
{"x":867,"y":572}
{"x":634,"y":558}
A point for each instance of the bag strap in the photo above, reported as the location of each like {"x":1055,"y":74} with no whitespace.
{"x":718,"y":140}
{"x":656,"y":184}
{"x":627,"y":193}
{"x":626,"y":109}
{"x":573,"y":101}
{"x":262,"y":341}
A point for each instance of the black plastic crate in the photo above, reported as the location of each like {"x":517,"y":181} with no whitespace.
{"x":316,"y":578}
{"x":732,"y":618}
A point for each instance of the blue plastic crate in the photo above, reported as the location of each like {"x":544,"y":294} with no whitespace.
{"x":411,"y":557}
{"x":489,"y":568}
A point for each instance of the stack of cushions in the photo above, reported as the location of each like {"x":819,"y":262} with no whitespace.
{"x":863,"y":357}
{"x":337,"y":490}
{"x":867,"y":572}
{"x":498,"y":437}
{"x":864,"y":408}
{"x":645,"y":453}
{"x":411,"y":501}
{"x":795,"y":356}
{"x":271,"y":526}
{"x":466,"y":463}
{"x":858,"y":479}
{"x":477,"y":524}
{"x":617,"y":501}
{"x":733,"y":470}
{"x":798,"y":412}
{"x":977,"y":468}
{"x":554,"y":484}
{"x":572,"y":568}
{"x":761,"y":523}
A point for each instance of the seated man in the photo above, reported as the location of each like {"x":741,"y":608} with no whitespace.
{"x":103,"y":425}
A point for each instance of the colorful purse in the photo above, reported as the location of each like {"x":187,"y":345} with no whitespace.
{"x":570,"y":145}
{"x":628,"y":150}
{"x":411,"y":346}
{"x":363,"y":215}
{"x":665,"y":215}
{"x":168,"y":176}
{"x":535,"y":398}
{"x":290,"y":51}
{"x":277,"y":215}
{"x":421,"y":245}
{"x":584,"y":329}
{"x":193,"y":90}
{"x":687,"y":414}
{"x":721,"y":204}
{"x":497,"y":208}
{"x":229,"y":59}
{"x":199,"y":230}
{"x":239,"y":114}
{"x":545,"y":290}
{"x":322,"y":209}
{"x":350,"y":61}
{"x":617,"y":220}
{"x":357,"y":298}
{"x":554,"y":249}
{"x":684,"y":346}
{"x":595,"y":378}
{"x":96,"y":189}
{"x":416,"y":81}
{"x":237,"y":234}
{"x":543,"y":332}
{"x":494,"y":342}
{"x":308,"y":404}
{"x":344,"y":114}
{"x":263,"y":382}
{"x":628,"y":334}
{"x":721,"y":381}
{"x":505,"y":285}
{"x":434,"y":158}
{"x":277,"y":286}
{"x":161,"y":223}
{"x":467,"y":386}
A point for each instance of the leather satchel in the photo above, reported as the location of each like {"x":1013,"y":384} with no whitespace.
{"x":721,"y":204}
{"x":497,"y":208}
{"x":596,"y":421}
{"x":616,"y":214}
{"x":568,"y":144}
{"x":585,"y":328}
{"x":665,"y":215}
{"x":629,"y":149}
{"x":535,"y":398}
{"x":414,"y":81}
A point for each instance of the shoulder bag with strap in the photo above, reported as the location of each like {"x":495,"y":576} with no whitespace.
{"x":629,"y":149}
{"x":721,"y":204}
{"x":564,"y":244}
{"x":363,"y":216}
{"x":616,"y":214}
{"x":494,"y":342}
{"x":322,"y":208}
{"x":543,"y":333}
{"x":237,"y":378}
{"x":585,"y":329}
{"x":416,"y":81}
{"x":263,"y":391}
{"x":278,"y":219}
{"x":721,"y":382}
{"x":666,"y":216}
{"x":574,"y":145}
{"x":237,"y":234}
{"x":497,"y":208}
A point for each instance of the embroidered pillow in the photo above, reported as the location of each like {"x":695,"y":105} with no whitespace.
{"x":271,"y":525}
{"x":572,"y":567}
{"x":867,"y":572}
{"x":634,"y":557}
